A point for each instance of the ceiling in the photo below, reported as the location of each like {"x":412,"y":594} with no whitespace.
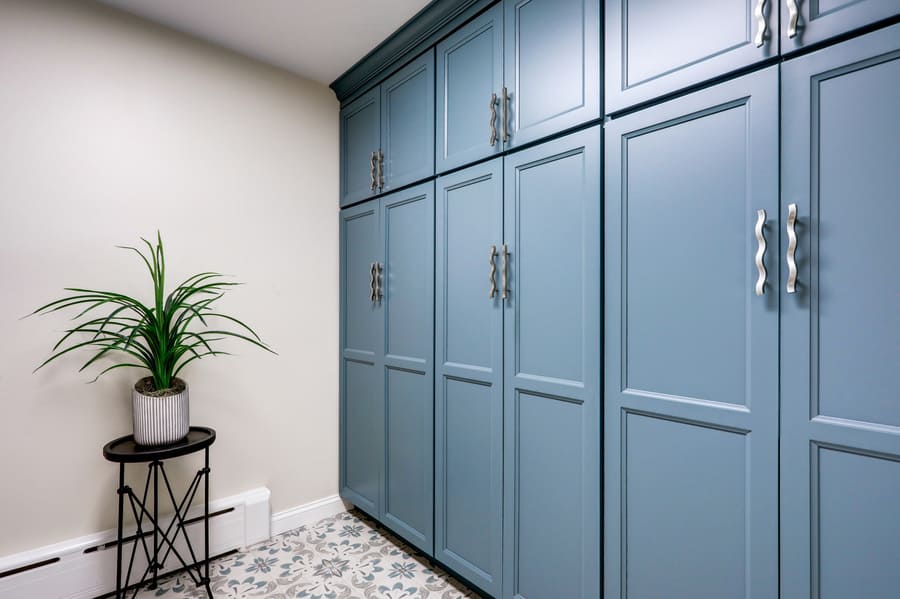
{"x":317,"y":39}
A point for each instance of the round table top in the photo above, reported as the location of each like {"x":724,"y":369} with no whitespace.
{"x":124,"y":449}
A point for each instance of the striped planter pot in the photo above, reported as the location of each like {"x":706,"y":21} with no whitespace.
{"x":160,"y":420}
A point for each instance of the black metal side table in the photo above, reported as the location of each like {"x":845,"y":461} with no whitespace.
{"x":124,"y":450}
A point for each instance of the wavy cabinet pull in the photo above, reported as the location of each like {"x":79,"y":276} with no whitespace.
{"x":378,"y":270}
{"x":504,"y":276}
{"x":372,"y":282}
{"x":761,"y":25}
{"x":372,"y":180}
{"x":493,"y":139}
{"x":380,"y":171}
{"x":504,"y":103}
{"x":760,"y":252}
{"x":793,"y":17}
{"x":493,"y":274}
{"x":792,"y":248}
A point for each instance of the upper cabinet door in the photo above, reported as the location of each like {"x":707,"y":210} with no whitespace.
{"x":805,"y":22}
{"x":551,"y":66}
{"x":407,"y":280}
{"x":691,"y":360}
{"x":360,"y":142}
{"x":469,"y":86}
{"x":840,"y":448}
{"x":657,"y":47}
{"x":407,"y":119}
{"x":550,"y":289}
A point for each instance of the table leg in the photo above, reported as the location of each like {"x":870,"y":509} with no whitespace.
{"x":155,"y":565}
{"x":119,"y":537}
{"x":206,"y":518}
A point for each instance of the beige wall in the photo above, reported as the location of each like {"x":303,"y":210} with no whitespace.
{"x":111,"y":128}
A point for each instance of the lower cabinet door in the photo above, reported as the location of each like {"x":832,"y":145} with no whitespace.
{"x":407,"y":283}
{"x":469,"y":374}
{"x":552,"y":369}
{"x":691,"y":358}
{"x":840,"y":449}
{"x":362,"y":361}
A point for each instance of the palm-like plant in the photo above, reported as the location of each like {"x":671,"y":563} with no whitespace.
{"x":160,"y":338}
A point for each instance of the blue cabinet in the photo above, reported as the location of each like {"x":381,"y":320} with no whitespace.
{"x":469,"y":374}
{"x":655,"y":48}
{"x":387,"y":134}
{"x":840,"y":450}
{"x":521,"y":71}
{"x":805,"y":22}
{"x":387,"y":370}
{"x":691,"y":346}
{"x":551,"y":269}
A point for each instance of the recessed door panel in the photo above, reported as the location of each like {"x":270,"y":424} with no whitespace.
{"x":691,"y":359}
{"x":552,"y":65}
{"x":552,"y":369}
{"x":469,"y":362}
{"x":469,"y":71}
{"x":360,"y":137}
{"x":407,"y":282}
{"x":818,"y":20}
{"x":407,"y":137}
{"x":656,"y":48}
{"x":840,"y":415}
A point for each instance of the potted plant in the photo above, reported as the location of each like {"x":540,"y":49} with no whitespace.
{"x":164,"y":337}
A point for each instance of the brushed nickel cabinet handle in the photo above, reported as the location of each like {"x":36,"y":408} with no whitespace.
{"x":372,"y":282}
{"x":380,"y":171}
{"x":761,"y":24}
{"x":505,"y":277}
{"x":504,"y":103}
{"x":378,"y":270}
{"x":792,"y":249}
{"x":372,"y":180}
{"x":493,"y":138}
{"x":493,"y":274}
{"x":793,"y":17}
{"x":760,"y":252}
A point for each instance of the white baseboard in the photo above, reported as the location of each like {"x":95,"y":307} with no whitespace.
{"x":86,"y":566}
{"x":307,"y":513}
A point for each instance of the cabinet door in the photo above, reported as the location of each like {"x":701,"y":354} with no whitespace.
{"x":551,"y":66}
{"x":360,"y":137}
{"x":407,"y":219}
{"x":655,"y":48}
{"x":552,"y":370}
{"x":818,"y":20}
{"x":469,"y":75}
{"x":691,"y":351}
{"x":407,"y":118}
{"x":361,"y":385}
{"x":468,"y":391}
{"x":840,"y":449}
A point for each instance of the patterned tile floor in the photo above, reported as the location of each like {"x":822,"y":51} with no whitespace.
{"x":340,"y":557}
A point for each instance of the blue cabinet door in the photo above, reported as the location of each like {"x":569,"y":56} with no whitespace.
{"x":805,"y":22}
{"x":360,"y":142}
{"x":657,"y":47}
{"x":552,"y":66}
{"x":552,"y":369}
{"x":407,"y":283}
{"x":469,"y":83}
{"x":691,"y":350}
{"x":840,"y":449}
{"x":469,"y":374}
{"x":362,"y":359}
{"x":407,"y":123}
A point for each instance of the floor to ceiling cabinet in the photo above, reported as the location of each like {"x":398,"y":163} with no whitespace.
{"x":691,"y":376}
{"x":840,"y":323}
{"x":518,"y":371}
{"x":387,"y":274}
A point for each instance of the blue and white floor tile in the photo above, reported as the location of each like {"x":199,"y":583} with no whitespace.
{"x":341,"y":557}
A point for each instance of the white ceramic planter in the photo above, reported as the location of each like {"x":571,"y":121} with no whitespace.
{"x":160,"y":420}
